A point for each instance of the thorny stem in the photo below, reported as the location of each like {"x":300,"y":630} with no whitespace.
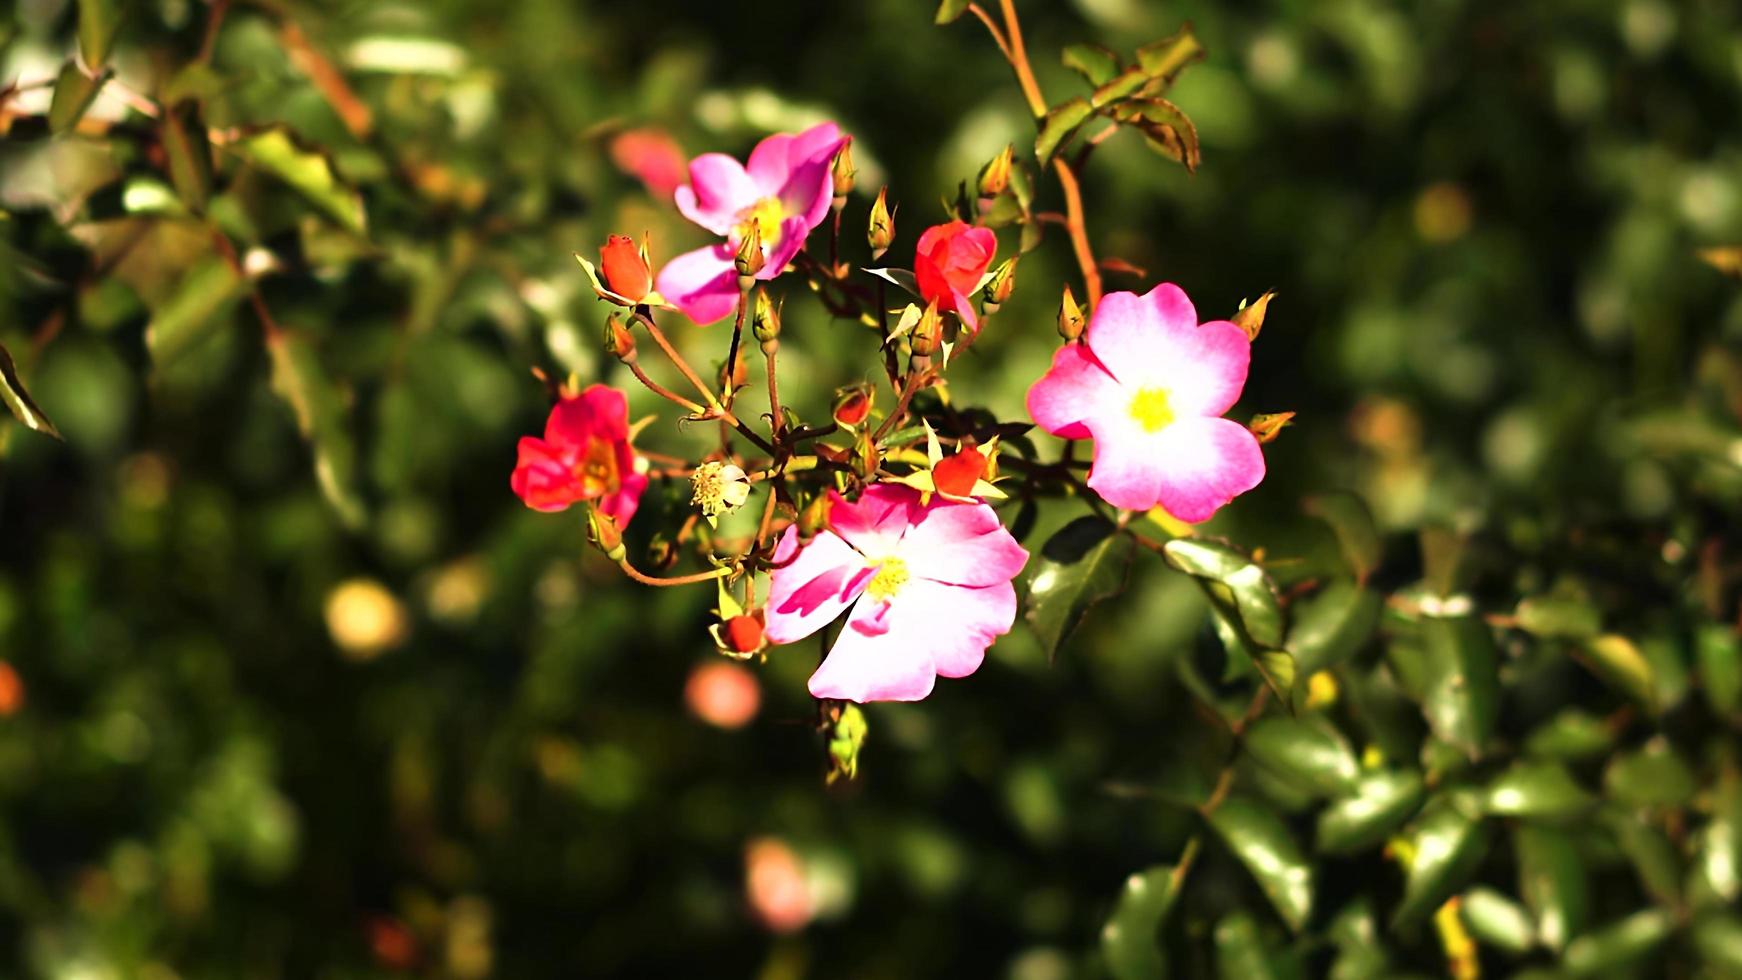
{"x":701,"y":387}
{"x":915,"y":381}
{"x":1079,"y":232}
{"x":661,"y":390}
{"x":731,"y":372}
{"x":1018,"y":57}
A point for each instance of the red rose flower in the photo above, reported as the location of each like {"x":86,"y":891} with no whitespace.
{"x":949,"y":262}
{"x":584,"y":455}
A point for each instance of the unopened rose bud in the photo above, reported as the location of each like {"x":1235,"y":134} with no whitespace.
{"x":956,"y":474}
{"x":603,"y":532}
{"x":625,"y":268}
{"x":1000,"y":286}
{"x":853,"y":406}
{"x":1071,"y":320}
{"x":1251,"y":316}
{"x":749,"y":260}
{"x":842,"y":171}
{"x":882,"y":227}
{"x":766,"y":321}
{"x":995,"y":176}
{"x":619,"y":342}
{"x":928,"y":332}
{"x":743,"y":634}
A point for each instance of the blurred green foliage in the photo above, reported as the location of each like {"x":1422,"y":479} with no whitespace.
{"x":293,"y":686}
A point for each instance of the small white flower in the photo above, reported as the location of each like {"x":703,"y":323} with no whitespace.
{"x":719,"y":488}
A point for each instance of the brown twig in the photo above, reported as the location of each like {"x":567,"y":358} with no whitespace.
{"x":1079,"y":232}
{"x":662,"y":391}
{"x":645,"y":579}
{"x":683,"y":366}
{"x":1017,"y":55}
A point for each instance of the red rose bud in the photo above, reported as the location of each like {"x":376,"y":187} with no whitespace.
{"x":882,"y":227}
{"x":1071,"y":320}
{"x":749,"y":260}
{"x":843,"y":173}
{"x":956,"y":474}
{"x":853,"y":406}
{"x":948,"y":263}
{"x":743,"y":634}
{"x":619,"y":342}
{"x":995,"y":176}
{"x":625,"y":269}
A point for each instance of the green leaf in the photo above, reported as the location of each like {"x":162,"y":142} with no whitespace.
{"x":1448,"y":843}
{"x":1243,"y":600}
{"x":1169,"y":130}
{"x":1716,"y":876}
{"x":1537,"y":790}
{"x":74,"y":91}
{"x":18,"y":400}
{"x":1551,"y":877}
{"x":1240,"y":953}
{"x":1085,"y":562}
{"x":1352,"y":522}
{"x":1061,"y":123}
{"x":1497,"y":921}
{"x":1382,"y":802}
{"x":950,"y":10}
{"x":1310,"y":753}
{"x":99,"y":20}
{"x":1164,"y":59}
{"x":1718,"y":939}
{"x":1095,"y":63}
{"x":183,"y":135}
{"x":1330,"y":627}
{"x":1654,"y":776}
{"x":1616,"y":660}
{"x":1119,"y":86}
{"x":321,"y":417}
{"x":1558,"y":617}
{"x":1572,"y":734}
{"x":309,"y":172}
{"x":1129,"y":940}
{"x":1261,"y":841}
{"x":1720,"y":661}
{"x":1360,"y":956}
{"x":1653,"y":857}
{"x":1461,"y":685}
{"x":193,"y":309}
{"x":1620,"y":945}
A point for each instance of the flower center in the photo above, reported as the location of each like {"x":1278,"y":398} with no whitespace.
{"x":597,"y":470}
{"x":768,"y":214}
{"x":890,"y":577}
{"x":1151,"y":409}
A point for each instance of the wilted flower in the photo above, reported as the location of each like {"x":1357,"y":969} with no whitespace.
{"x":584,"y":455}
{"x":719,"y":488}
{"x":929,"y":587}
{"x":783,"y":190}
{"x":1149,"y":386}
{"x":949,"y":263}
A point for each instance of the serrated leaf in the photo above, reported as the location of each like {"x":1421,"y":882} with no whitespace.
{"x":1448,"y":842}
{"x":950,"y":10}
{"x":1095,"y":63}
{"x":309,"y":172}
{"x":1620,"y":945}
{"x":1461,"y":684}
{"x":1085,"y":562}
{"x":321,"y":417}
{"x":1497,"y":921}
{"x":74,"y":91}
{"x":1061,"y":123}
{"x":1551,"y":877}
{"x":1537,"y":790}
{"x":1352,"y":522}
{"x":1168,"y":129}
{"x":1330,"y":627}
{"x":1381,"y":803}
{"x":99,"y":21}
{"x":18,"y":399}
{"x":1129,"y":940}
{"x":193,"y":309}
{"x":1309,"y":753}
{"x":1261,"y":841}
{"x":1164,"y":59}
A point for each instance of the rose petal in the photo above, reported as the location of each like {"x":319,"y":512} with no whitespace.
{"x":1154,"y":340}
{"x":796,"y":169}
{"x":702,"y":284}
{"x":1075,"y":388}
{"x":718,"y":191}
{"x":875,"y":522}
{"x":961,"y":544}
{"x":1208,"y":462}
{"x":895,"y":652}
{"x":806,"y":592}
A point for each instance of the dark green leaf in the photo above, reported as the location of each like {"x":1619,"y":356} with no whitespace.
{"x":1352,"y":522}
{"x":194,"y":308}
{"x":1551,"y":877}
{"x":321,"y":417}
{"x":1356,"y":935}
{"x":1261,"y":841}
{"x":1558,"y":617}
{"x":1244,"y":600}
{"x":1240,"y":953}
{"x":1572,"y":734}
{"x":183,"y":134}
{"x":1085,"y":562}
{"x":309,"y":172}
{"x":1095,"y":63}
{"x":18,"y":400}
{"x":1129,"y":940}
{"x":74,"y":91}
{"x":99,"y":20}
{"x":1461,"y":693}
{"x":1620,"y":945}
{"x":1654,"y":776}
{"x":950,"y":10}
{"x":1330,"y":627}
{"x":1720,"y":661}
{"x":1310,"y":753}
{"x":1382,"y":802}
{"x":1448,"y":842}
{"x":1653,"y":857}
{"x":1538,"y":790}
{"x":1061,"y":123}
{"x":1165,"y":58}
{"x":1497,"y":921}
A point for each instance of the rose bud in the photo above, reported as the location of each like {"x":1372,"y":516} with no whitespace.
{"x":619,"y":342}
{"x":956,"y":474}
{"x":853,"y":406}
{"x":766,"y":321}
{"x":842,"y":172}
{"x":749,"y":260}
{"x":882,"y":226}
{"x":1071,"y":320}
{"x":625,"y":268}
{"x":995,"y":176}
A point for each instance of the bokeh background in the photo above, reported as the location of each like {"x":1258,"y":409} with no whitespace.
{"x":291,"y":685}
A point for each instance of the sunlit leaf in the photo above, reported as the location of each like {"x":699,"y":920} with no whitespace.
{"x":1085,"y":562}
{"x":1244,"y":600}
{"x":1558,"y":617}
{"x":1381,"y":803}
{"x":1448,"y":842}
{"x":1618,"y":661}
{"x":1169,"y":130}
{"x":99,"y":20}
{"x":950,"y":10}
{"x":1552,"y":879}
{"x":1095,"y":63}
{"x":1240,"y":951}
{"x":1261,"y":841}
{"x":1619,"y":945}
{"x":1498,"y":921}
{"x":1311,"y":753}
{"x":194,"y":308}
{"x":18,"y":400}
{"x":307,"y":171}
{"x":1539,"y":790}
{"x":1061,"y":122}
{"x":1164,"y":59}
{"x":1461,"y":689}
{"x":1653,"y":776}
{"x":74,"y":91}
{"x":1333,"y":625}
{"x":1129,"y":940}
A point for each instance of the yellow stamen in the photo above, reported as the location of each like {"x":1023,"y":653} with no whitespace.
{"x":598,"y":469}
{"x":768,"y":214}
{"x":890,"y":577}
{"x":1151,"y":409}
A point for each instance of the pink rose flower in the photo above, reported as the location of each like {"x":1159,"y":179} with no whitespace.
{"x":584,"y":455}
{"x":1149,"y":385}
{"x":929,"y":586}
{"x":948,"y":262}
{"x":785,"y":188}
